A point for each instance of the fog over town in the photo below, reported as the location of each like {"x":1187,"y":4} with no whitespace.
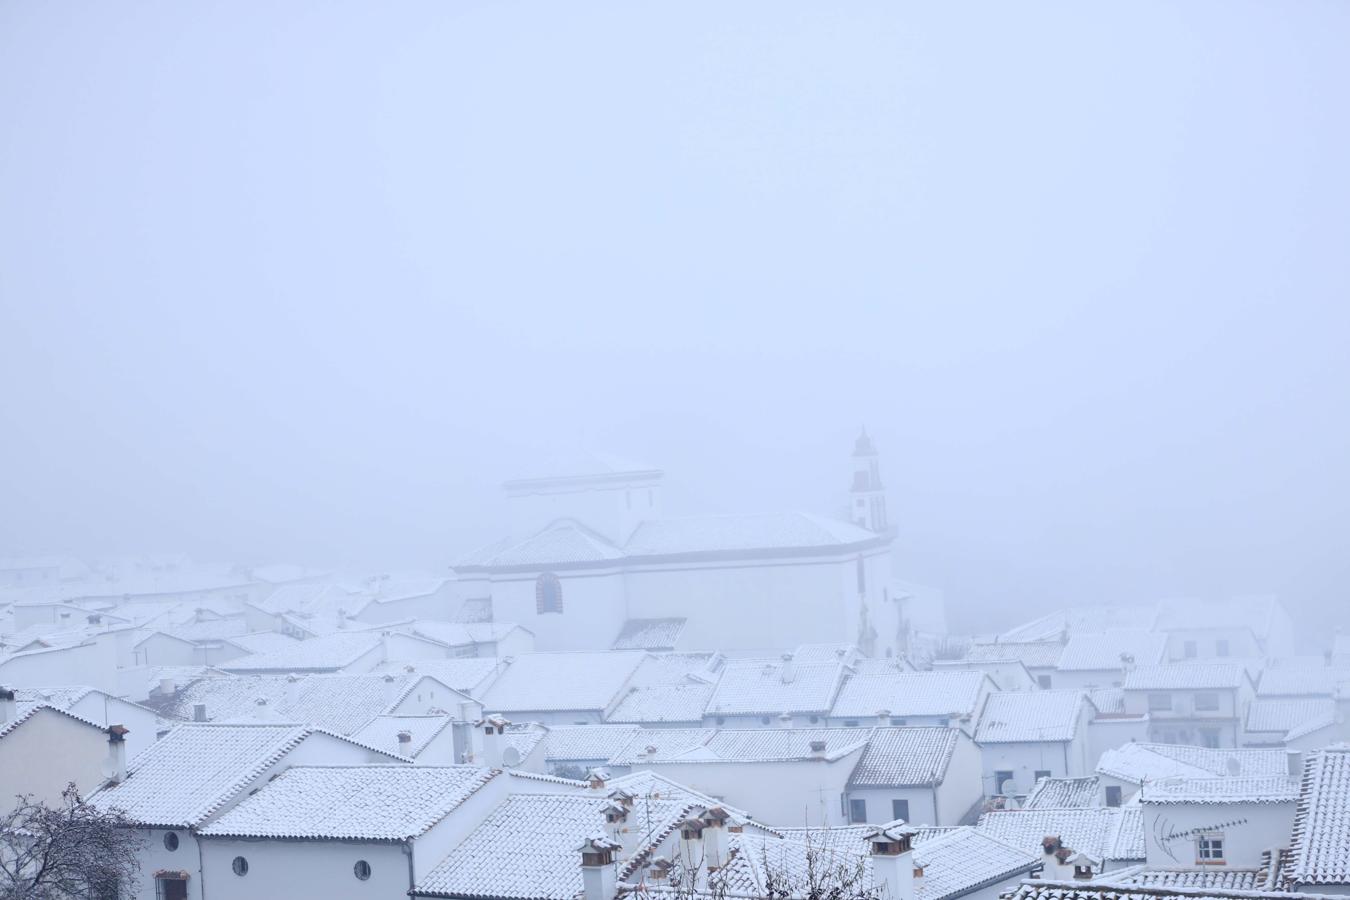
{"x":775,"y":451}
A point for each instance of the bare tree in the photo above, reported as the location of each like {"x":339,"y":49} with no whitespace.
{"x":70,"y":850}
{"x":821,"y":874}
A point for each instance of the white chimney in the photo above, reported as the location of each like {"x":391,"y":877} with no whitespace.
{"x":493,"y":729}
{"x":1294,"y":758}
{"x":390,"y":691}
{"x":716,"y":841}
{"x":9,"y":710}
{"x":405,"y":743}
{"x":893,"y":859}
{"x":599,"y":875}
{"x":260,"y":710}
{"x":884,"y":718}
{"x":785,"y":720}
{"x":199,"y":712}
{"x":693,"y":855}
{"x":167,"y":687}
{"x":818,"y":749}
{"x":787,"y":672}
{"x":117,"y":753}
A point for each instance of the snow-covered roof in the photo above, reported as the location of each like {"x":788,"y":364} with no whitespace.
{"x":586,"y":742}
{"x":1140,"y":762}
{"x":905,"y":756}
{"x":575,"y":680}
{"x":328,"y":653}
{"x":1280,"y":714}
{"x":262,"y":641}
{"x":383,"y":732}
{"x":1089,"y":651}
{"x":682,"y":703}
{"x":649,"y":634}
{"x":1319,"y":853}
{"x":342,"y":703}
{"x":1254,"y":613}
{"x":1107,"y":701}
{"x":965,"y":859}
{"x":1185,"y":676}
{"x":1301,"y":681}
{"x":458,"y":634}
{"x":910,"y":694}
{"x":526,"y":848}
{"x":1053,"y":625}
{"x":1224,"y":879}
{"x":1112,"y":833}
{"x":771,"y":687}
{"x":389,"y":803}
{"x":1110,"y":889}
{"x":1032,"y":654}
{"x":185,"y":776}
{"x":748,"y":745}
{"x":1064,"y":793}
{"x":1029,"y":716}
{"x":563,"y":542}
{"x":1229,"y":789}
{"x":469,"y":674}
{"x":25,"y":710}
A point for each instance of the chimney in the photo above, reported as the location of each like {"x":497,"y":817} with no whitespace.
{"x":716,"y":842}
{"x":117,"y":754}
{"x":261,"y":711}
{"x":9,"y":710}
{"x":1294,"y":759}
{"x":893,"y":859}
{"x":599,"y":875}
{"x":385,"y":650}
{"x":692,"y":852}
{"x":616,"y":814}
{"x":405,"y":743}
{"x":199,"y":712}
{"x":390,"y":691}
{"x":166,"y":687}
{"x":884,"y":718}
{"x":785,"y":720}
{"x":493,"y":729}
{"x":659,"y":871}
{"x":787,"y":672}
{"x":596,"y":779}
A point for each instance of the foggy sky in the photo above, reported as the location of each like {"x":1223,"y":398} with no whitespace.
{"x":307,"y":281}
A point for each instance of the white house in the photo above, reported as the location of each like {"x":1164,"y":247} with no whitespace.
{"x":1024,"y":736}
{"x":43,"y":749}
{"x":592,"y":550}
{"x":1123,"y":770}
{"x":101,"y":708}
{"x":576,"y":688}
{"x":1217,"y":823}
{"x":774,"y":693}
{"x":925,"y":775}
{"x":870,"y":697}
{"x":1203,"y":704}
{"x":1239,"y":628}
{"x":1100,"y":659}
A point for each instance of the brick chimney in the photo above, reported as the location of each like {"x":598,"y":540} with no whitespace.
{"x":599,"y":874}
{"x":596,"y":779}
{"x":892,"y":852}
{"x":117,"y":754}
{"x":9,"y":710}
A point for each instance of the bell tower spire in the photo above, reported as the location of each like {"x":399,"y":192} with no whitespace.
{"x":867,"y":498}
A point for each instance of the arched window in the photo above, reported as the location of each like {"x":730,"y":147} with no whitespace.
{"x":548,"y":594}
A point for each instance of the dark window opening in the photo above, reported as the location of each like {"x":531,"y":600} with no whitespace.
{"x":900,"y":809}
{"x":857,"y":811}
{"x":548,"y":594}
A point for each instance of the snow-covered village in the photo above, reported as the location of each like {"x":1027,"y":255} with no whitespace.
{"x":770,"y":450}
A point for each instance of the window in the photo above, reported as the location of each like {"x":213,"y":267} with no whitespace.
{"x":1112,"y":795}
{"x":1042,"y":773}
{"x":900,"y":809}
{"x":850,"y":723}
{"x":862,"y":576}
{"x":1221,"y":648}
{"x":857,"y":811}
{"x":1188,"y":649}
{"x":1209,"y":849}
{"x":361,"y":870}
{"x":1159,"y":702}
{"x":171,"y":841}
{"x":1209,"y":737}
{"x":1208,"y":702}
{"x":814,"y":720}
{"x":1002,"y":777}
{"x":170,"y":889}
{"x":764,"y":720}
{"x":548,"y":594}
{"x":1043,"y":681}
{"x":721,"y":720}
{"x":240,"y":866}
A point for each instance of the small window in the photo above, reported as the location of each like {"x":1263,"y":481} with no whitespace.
{"x":361,"y":870}
{"x":814,"y":720}
{"x":1209,"y":849}
{"x":1113,"y":795}
{"x":1188,"y":649}
{"x":548,"y":594}
{"x":721,"y":720}
{"x":1002,"y":777}
{"x":1221,"y":648}
{"x":171,"y":841}
{"x":850,"y":723}
{"x":900,"y":809}
{"x":1207,"y":702}
{"x":764,"y":720}
{"x":1043,"y":681}
{"x":240,"y":866}
{"x":857,"y":811}
{"x":170,"y":888}
{"x":1159,"y":702}
{"x":1209,"y":737}
{"x":1042,"y":773}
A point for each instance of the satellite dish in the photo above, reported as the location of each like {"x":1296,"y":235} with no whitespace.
{"x":1009,"y":788}
{"x":1234,"y":765}
{"x":510,"y":756}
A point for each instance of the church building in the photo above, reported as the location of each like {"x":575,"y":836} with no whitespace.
{"x":595,"y":565}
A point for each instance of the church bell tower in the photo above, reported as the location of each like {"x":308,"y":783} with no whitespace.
{"x":867,"y":498}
